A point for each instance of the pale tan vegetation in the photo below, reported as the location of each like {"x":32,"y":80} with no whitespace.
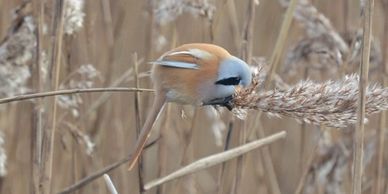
{"x":75,"y":90}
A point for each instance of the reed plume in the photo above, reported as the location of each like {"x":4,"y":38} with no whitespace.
{"x":166,"y":11}
{"x":16,"y":54}
{"x":331,"y":103}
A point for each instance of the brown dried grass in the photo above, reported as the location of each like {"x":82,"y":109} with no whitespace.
{"x":114,"y":29}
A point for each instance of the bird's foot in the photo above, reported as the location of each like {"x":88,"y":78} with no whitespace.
{"x":225,"y":102}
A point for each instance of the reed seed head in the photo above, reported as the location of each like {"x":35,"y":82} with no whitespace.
{"x":331,"y":103}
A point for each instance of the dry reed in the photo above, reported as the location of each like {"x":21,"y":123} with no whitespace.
{"x":16,"y":53}
{"x":110,"y":185}
{"x":48,"y":141}
{"x":362,"y":108}
{"x":70,"y":91}
{"x":379,"y":175}
{"x":216,"y":159}
{"x":138,"y":121}
{"x":103,"y":32}
{"x":331,"y":103}
{"x":246,"y":55}
{"x":99,"y":173}
{"x":274,"y":63}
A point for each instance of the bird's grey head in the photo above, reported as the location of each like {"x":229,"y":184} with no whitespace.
{"x":234,"y":71}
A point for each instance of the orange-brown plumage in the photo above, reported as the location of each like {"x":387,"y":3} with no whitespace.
{"x":187,"y":81}
{"x":199,"y":74}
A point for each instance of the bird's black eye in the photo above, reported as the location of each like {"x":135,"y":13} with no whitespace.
{"x":229,"y":81}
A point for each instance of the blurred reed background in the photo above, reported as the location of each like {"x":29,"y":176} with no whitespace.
{"x":49,"y":45}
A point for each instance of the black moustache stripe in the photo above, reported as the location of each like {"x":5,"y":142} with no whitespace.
{"x":229,"y":81}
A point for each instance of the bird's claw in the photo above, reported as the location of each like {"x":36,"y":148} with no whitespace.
{"x":225,"y":102}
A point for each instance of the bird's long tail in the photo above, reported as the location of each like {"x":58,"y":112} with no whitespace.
{"x":159,"y":101}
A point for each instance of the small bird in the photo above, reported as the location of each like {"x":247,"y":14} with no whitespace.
{"x":198,"y":74}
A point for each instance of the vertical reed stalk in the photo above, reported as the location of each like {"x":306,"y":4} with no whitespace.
{"x":107,"y":16}
{"x":36,"y":139}
{"x":162,"y":149}
{"x":231,"y":12}
{"x":246,"y":54}
{"x":267,"y":162}
{"x":308,"y":163}
{"x":149,"y":50}
{"x":275,"y":58}
{"x":140,"y":170}
{"x":359,"y":133}
{"x":187,"y":184}
{"x":281,"y":41}
{"x":247,"y":37}
{"x":106,"y":9}
{"x":303,"y":128}
{"x":49,"y":137}
{"x":150,"y":32}
{"x":379,"y":175}
{"x":220,"y":185}
{"x":346,"y":15}
{"x":241,"y":161}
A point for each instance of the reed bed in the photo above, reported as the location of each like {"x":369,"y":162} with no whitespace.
{"x":75,"y":90}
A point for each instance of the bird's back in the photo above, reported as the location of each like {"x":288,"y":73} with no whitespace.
{"x":182,"y":81}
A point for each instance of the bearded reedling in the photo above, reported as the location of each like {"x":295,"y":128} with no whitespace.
{"x":198,"y":74}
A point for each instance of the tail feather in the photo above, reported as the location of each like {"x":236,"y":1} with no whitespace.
{"x":159,"y":101}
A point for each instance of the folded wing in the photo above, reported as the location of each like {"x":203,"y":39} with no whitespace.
{"x":187,"y":59}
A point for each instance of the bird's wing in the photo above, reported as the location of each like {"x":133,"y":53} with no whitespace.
{"x":187,"y":59}
{"x":176,"y":64}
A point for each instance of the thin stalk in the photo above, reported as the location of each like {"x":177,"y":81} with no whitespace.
{"x":241,"y":160}
{"x":268,"y":164}
{"x":221,"y":181}
{"x":310,"y":159}
{"x":187,"y":156}
{"x":70,"y":91}
{"x":216,"y":159}
{"x":140,"y":170}
{"x":108,"y":23}
{"x":345,"y":20}
{"x":50,"y":134}
{"x":246,"y":54}
{"x":150,"y":31}
{"x":109,"y":184}
{"x":162,"y":148}
{"x":149,"y":50}
{"x":359,"y":133}
{"x":232,"y":14}
{"x":110,"y":40}
{"x":247,"y":39}
{"x":379,"y":178}
{"x":275,"y":58}
{"x":105,"y":96}
{"x":75,"y":161}
{"x":36,"y":143}
{"x":86,"y":180}
{"x":303,"y":128}
{"x":281,"y":41}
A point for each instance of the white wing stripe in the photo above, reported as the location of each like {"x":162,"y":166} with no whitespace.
{"x":201,"y":54}
{"x":179,"y":53}
{"x":197,"y":53}
{"x":177,"y":64}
